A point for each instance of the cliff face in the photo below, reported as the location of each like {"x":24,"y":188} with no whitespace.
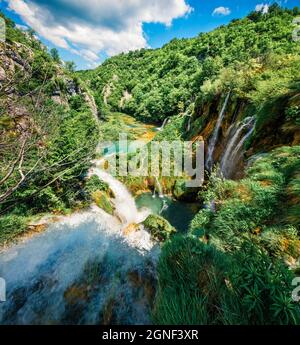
{"x":237,"y":127}
{"x":18,"y":66}
{"x":14,"y":57}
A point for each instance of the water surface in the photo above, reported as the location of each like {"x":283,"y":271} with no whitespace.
{"x":179,"y":214}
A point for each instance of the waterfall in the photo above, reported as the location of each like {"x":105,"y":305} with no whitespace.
{"x":85,"y":265}
{"x":242,"y":142}
{"x":158,"y":188}
{"x":213,"y":141}
{"x":166,"y":120}
{"x":229,"y":130}
{"x":189,"y":123}
{"x":87,"y":259}
{"x":124,"y":202}
{"x":70,"y":273}
{"x":235,"y":144}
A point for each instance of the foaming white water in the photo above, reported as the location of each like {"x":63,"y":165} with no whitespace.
{"x":124,"y":202}
{"x":158,"y":188}
{"x":233,"y":149}
{"x":213,"y":141}
{"x":70,"y":273}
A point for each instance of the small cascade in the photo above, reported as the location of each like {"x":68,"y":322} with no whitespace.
{"x":126,"y":208}
{"x":233,"y":149}
{"x":230,"y":130}
{"x":189,"y":125}
{"x":166,"y":120}
{"x":237,"y":151}
{"x":213,"y":141}
{"x":158,"y":189}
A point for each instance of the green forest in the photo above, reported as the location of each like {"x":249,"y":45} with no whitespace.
{"x":236,"y":260}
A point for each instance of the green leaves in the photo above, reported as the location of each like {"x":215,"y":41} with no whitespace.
{"x":252,"y":229}
{"x":264,"y":287}
{"x":284,"y":311}
{"x":160,"y":79}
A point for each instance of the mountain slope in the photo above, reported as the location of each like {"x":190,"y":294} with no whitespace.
{"x":164,"y":82}
{"x":48,"y":133}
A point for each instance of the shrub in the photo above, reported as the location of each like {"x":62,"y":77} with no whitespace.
{"x":263,"y":288}
{"x":200,"y":285}
{"x":293,"y":114}
{"x":47,"y":200}
{"x":102,"y":201}
{"x":200,"y":222}
{"x":191,"y":283}
{"x":11,"y":226}
{"x":159,"y":227}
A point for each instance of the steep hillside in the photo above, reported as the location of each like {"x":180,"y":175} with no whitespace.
{"x":253,"y":61}
{"x":48,"y":133}
{"x":155,"y":84}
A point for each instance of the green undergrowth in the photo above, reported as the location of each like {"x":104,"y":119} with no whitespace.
{"x":237,"y":264}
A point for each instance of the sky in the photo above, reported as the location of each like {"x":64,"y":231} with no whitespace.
{"x":89,"y":31}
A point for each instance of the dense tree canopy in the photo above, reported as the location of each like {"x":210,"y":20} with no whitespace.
{"x":161,"y":80}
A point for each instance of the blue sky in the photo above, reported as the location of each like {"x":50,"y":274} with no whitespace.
{"x":88,"y":31}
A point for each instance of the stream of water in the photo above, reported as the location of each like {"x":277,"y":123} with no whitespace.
{"x":88,"y":268}
{"x":83,"y":269}
{"x":237,"y":136}
{"x":215,"y":135}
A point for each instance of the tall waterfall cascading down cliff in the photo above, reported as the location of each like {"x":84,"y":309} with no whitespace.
{"x":238,"y":134}
{"x":215,"y":136}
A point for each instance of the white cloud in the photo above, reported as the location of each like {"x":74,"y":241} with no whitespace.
{"x":221,"y":11}
{"x":264,"y":8}
{"x":91,"y":27}
{"x":22,"y":27}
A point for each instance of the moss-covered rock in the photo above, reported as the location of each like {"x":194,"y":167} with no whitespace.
{"x":184,"y":193}
{"x":102,"y":200}
{"x":159,"y":227}
{"x":130,"y":229}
